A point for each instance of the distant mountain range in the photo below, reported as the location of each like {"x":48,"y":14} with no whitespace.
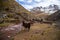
{"x":50,"y":9}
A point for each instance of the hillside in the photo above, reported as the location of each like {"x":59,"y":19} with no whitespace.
{"x":12,"y":12}
{"x":38,"y":13}
{"x":55,"y":16}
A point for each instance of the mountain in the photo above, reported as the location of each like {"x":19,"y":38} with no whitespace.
{"x":54,"y":17}
{"x":36,"y":10}
{"x":39,"y":12}
{"x":45,"y":12}
{"x":12,"y":12}
{"x":53,"y":7}
{"x":49,"y":9}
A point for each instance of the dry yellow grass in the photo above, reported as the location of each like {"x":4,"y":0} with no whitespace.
{"x":39,"y":32}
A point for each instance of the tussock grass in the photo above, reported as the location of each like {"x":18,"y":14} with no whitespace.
{"x":40,"y":32}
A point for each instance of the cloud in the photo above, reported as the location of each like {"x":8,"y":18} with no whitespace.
{"x":29,"y":1}
{"x":36,"y":3}
{"x":28,"y":7}
{"x":47,"y":2}
{"x":20,"y":0}
{"x":37,"y":0}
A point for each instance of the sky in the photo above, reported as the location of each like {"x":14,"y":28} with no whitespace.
{"x":29,"y":4}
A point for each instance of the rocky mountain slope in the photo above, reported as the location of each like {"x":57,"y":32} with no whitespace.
{"x":49,"y":9}
{"x":55,"y":16}
{"x":12,"y":12}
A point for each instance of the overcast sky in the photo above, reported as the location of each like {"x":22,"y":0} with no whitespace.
{"x":28,"y":4}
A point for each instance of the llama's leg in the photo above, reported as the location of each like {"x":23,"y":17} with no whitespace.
{"x":29,"y":28}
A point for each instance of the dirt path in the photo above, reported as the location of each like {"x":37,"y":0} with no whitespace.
{"x":37,"y":32}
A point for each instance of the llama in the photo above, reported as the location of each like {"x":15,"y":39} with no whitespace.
{"x":26,"y":25}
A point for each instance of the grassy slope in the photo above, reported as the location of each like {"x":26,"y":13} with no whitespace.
{"x":14,"y":10}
